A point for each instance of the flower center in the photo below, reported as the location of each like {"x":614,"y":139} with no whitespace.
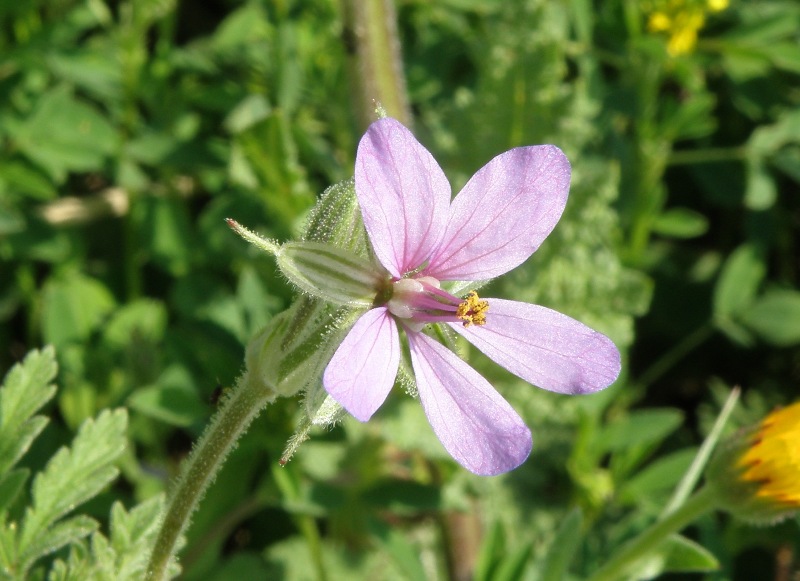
{"x":421,"y":300}
{"x":473,"y":310}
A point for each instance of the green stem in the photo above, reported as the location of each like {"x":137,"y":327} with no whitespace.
{"x":620,"y":562}
{"x":234,"y":417}
{"x":377,"y":59}
{"x":692,"y":476}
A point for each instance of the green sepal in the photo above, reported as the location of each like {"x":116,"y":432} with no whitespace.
{"x":737,"y":495}
{"x":331,"y":274}
{"x":336,"y":220}
{"x":291,"y":352}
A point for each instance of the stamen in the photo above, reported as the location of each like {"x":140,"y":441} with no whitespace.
{"x":473,"y":310}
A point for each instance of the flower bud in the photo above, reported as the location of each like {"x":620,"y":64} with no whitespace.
{"x":332,"y":274}
{"x":290,"y":353}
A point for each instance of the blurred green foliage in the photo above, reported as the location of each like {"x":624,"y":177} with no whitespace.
{"x":130,"y":129}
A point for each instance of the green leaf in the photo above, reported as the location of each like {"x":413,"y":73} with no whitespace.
{"x":775,"y":317}
{"x":166,"y":233}
{"x":657,"y":478}
{"x":139,"y":320}
{"x":251,"y":110}
{"x":403,"y":497}
{"x":95,"y":70}
{"x":74,"y":475}
{"x":247,"y":25}
{"x":784,"y":55}
{"x":21,"y":177}
{"x":14,"y":448}
{"x":633,"y":438}
{"x":739,"y":280}
{"x":640,"y":428}
{"x":761,"y":30}
{"x":242,"y":566}
{"x":25,"y":390}
{"x":63,"y":533}
{"x":760,"y":190}
{"x":8,"y":546}
{"x":512,"y":567}
{"x":767,"y":140}
{"x":329,"y":273}
{"x":64,"y":134}
{"x":681,"y":223}
{"x":133,"y":535}
{"x":10,"y":486}
{"x":173,"y":399}
{"x":676,"y":554}
{"x":73,"y":306}
{"x":562,"y":549}
{"x":11,"y":220}
{"x":491,"y":550}
{"x":78,"y":566}
{"x":788,"y":161}
{"x":402,"y":551}
{"x":125,"y":556}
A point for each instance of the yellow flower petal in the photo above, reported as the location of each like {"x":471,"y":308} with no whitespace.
{"x":773,"y":459}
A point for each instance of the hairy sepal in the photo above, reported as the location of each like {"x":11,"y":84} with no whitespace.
{"x":329,"y":273}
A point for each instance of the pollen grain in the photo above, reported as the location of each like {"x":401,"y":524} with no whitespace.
{"x":473,"y":310}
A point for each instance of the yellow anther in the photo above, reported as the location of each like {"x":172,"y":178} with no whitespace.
{"x":473,"y":310}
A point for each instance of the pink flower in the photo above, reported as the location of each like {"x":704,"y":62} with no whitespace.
{"x":421,"y":238}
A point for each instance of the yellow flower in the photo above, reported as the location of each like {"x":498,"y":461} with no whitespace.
{"x":659,"y":22}
{"x":773,"y":459}
{"x":757,"y":474}
{"x":717,"y":5}
{"x":680,"y":21}
{"x":684,"y":32}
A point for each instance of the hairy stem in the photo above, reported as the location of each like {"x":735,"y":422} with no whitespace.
{"x":376,"y":59}
{"x":235,"y":415}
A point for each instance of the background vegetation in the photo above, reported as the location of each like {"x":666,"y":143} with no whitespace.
{"x":130,"y":129}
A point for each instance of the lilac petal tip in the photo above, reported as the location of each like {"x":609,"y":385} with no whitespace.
{"x":545,"y":348}
{"x":503,"y":214}
{"x":403,"y":193}
{"x":479,"y":429}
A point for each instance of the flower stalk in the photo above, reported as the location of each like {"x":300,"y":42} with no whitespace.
{"x":377,"y":59}
{"x":237,"y":412}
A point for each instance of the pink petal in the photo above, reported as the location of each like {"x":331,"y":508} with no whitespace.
{"x":545,"y":348}
{"x":474,"y":423}
{"x":362,"y":371}
{"x":403,"y":194}
{"x":503,"y":214}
